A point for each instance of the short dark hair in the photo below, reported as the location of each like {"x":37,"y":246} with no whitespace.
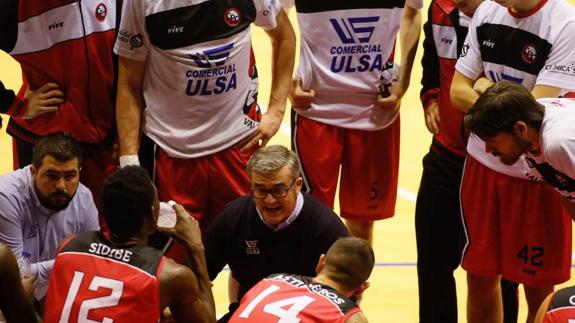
{"x":349,"y":261}
{"x":61,"y":146}
{"x":127,"y":197}
{"x":500,"y":107}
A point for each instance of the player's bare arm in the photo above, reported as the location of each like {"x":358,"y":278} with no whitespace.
{"x":283,"y":57}
{"x":409,"y":32}
{"x":482,"y":84}
{"x":179,"y":290}
{"x":545,"y":91}
{"x":187,"y":231}
{"x":14,"y":302}
{"x":129,"y":104}
{"x":300,"y":98}
{"x":462,"y":94}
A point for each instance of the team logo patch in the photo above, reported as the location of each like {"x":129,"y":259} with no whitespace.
{"x":354,"y":30}
{"x":101,"y":12}
{"x":529,"y":54}
{"x":136,"y":41}
{"x":252,"y":247}
{"x":232,"y":17}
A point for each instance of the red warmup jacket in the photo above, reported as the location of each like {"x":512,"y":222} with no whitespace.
{"x":444,"y":38}
{"x":69,"y":43}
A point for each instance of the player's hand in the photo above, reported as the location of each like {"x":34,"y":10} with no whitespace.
{"x":268,"y":127}
{"x":393,"y":101}
{"x":299,"y":97}
{"x":28,"y":284}
{"x":45,"y":99}
{"x":432,"y":118}
{"x":187,"y":229}
{"x":482,"y":84}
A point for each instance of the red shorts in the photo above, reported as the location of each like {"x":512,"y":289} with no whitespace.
{"x":202,"y":185}
{"x":369,"y":163}
{"x":514,"y":227}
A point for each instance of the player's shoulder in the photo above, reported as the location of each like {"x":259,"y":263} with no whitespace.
{"x":357,"y":317}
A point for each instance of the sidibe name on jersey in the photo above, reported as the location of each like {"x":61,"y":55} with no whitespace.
{"x":103,"y":250}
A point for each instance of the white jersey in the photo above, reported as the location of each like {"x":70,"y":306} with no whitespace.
{"x":532,"y":49}
{"x":346,"y":47}
{"x":555,"y":163}
{"x":200,"y":81}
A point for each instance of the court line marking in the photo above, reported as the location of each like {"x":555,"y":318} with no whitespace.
{"x":402,"y":192}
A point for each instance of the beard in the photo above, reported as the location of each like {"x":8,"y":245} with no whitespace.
{"x":522,"y":146}
{"x":56,"y":201}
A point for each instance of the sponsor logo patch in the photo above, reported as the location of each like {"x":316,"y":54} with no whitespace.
{"x":101,"y":12}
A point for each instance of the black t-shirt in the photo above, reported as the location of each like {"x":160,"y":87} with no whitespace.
{"x":239,"y":238}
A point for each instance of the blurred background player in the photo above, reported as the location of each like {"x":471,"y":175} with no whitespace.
{"x":115,"y":276}
{"x":345,"y":99}
{"x":341,"y":274}
{"x":526,"y":42}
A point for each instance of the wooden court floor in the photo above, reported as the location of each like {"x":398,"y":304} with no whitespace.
{"x":392,"y":297}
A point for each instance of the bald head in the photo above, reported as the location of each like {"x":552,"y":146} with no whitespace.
{"x":349,"y":261}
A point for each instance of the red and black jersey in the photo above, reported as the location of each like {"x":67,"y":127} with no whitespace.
{"x":293,"y":298}
{"x":561,"y":307}
{"x":94,"y":279}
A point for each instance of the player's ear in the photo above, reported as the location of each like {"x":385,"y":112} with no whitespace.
{"x":362,"y":288}
{"x":320,"y":264}
{"x":520,"y":129}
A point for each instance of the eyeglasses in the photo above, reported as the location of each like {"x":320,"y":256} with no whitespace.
{"x":276,"y":192}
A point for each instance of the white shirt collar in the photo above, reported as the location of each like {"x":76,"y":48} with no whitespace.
{"x":290,"y":219}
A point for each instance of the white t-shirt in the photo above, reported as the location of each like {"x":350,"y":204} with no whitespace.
{"x":346,"y":53}
{"x":200,"y":79}
{"x":535,"y":49}
{"x":555,"y":163}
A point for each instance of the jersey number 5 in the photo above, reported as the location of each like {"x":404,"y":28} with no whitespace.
{"x":99,"y":302}
{"x":296,"y":305}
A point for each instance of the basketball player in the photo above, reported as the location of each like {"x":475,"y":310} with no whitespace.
{"x":346,"y":96}
{"x":341,"y":273}
{"x":115,"y":276}
{"x":528,"y":42}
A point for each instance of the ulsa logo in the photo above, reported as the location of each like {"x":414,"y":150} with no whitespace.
{"x":252,"y":247}
{"x":175,"y":29}
{"x":529,"y":54}
{"x":56,"y":25}
{"x":213,"y":57}
{"x":232,"y":17}
{"x":351,"y":29}
{"x":101,"y":12}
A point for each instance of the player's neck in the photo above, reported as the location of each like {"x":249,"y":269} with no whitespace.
{"x":525,"y":6}
{"x":325,"y":280}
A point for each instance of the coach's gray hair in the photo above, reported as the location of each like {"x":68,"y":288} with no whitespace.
{"x":270,"y":159}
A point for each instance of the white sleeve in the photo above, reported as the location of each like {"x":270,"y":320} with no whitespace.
{"x":559,"y":70}
{"x":470,"y":63}
{"x":415,"y":4}
{"x":132,"y":41}
{"x":266,"y":12}
{"x":562,"y":157}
